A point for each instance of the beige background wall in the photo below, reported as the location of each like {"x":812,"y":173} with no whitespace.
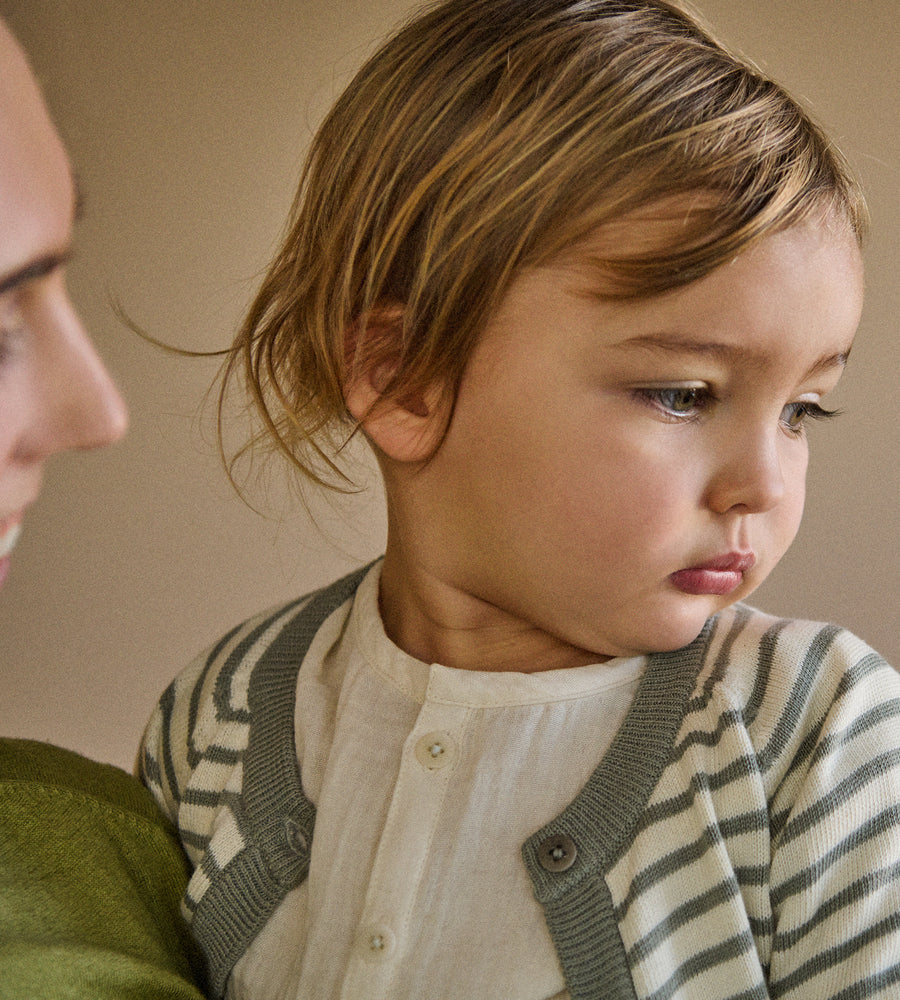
{"x":186,"y":122}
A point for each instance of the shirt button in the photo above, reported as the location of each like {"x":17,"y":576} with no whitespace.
{"x":557,"y":853}
{"x":377,"y":944}
{"x":435,"y":751}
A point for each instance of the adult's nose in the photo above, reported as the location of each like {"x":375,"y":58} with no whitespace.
{"x":76,"y":404}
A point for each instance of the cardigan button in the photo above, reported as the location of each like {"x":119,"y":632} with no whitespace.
{"x":294,"y":834}
{"x":557,"y":853}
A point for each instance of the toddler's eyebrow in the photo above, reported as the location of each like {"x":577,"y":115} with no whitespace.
{"x":731,"y":353}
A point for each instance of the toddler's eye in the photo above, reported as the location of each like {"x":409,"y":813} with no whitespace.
{"x":794,"y":415}
{"x":677,"y":401}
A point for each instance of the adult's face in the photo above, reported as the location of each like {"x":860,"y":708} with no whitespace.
{"x":55,"y":393}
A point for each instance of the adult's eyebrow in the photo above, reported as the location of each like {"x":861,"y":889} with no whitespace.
{"x":33,"y":271}
{"x":731,"y":353}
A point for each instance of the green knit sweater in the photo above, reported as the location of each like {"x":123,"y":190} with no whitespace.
{"x":90,"y":881}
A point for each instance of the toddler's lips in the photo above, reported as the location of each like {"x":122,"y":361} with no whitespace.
{"x":719,"y":576}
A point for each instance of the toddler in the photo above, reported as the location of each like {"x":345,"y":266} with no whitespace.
{"x":582,"y":278}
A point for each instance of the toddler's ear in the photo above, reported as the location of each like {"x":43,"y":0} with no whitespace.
{"x":406,"y":427}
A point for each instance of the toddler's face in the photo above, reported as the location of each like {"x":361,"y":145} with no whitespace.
{"x":617,"y":471}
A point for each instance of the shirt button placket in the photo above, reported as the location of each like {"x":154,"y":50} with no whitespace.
{"x":387,"y":930}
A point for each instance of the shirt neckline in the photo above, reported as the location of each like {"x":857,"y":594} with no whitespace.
{"x":438,"y":684}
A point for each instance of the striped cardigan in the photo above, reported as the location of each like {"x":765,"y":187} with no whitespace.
{"x":739,"y":839}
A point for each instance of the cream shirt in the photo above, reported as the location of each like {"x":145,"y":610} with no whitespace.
{"x":426,"y":781}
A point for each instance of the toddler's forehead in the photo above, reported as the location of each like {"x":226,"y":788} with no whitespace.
{"x":757,"y":289}
{"x":606,"y":256}
{"x":653,"y":227}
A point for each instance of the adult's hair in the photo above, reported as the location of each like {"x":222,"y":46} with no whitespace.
{"x":485,"y":137}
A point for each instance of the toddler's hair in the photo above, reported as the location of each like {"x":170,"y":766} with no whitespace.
{"x":485,"y":137}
